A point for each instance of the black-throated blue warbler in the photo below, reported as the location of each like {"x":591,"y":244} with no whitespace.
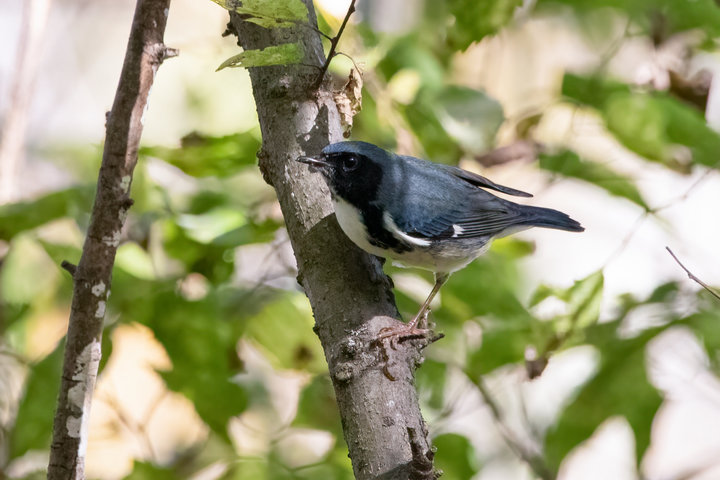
{"x":422,"y":214}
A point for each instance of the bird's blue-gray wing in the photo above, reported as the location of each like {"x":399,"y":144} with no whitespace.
{"x":483,"y":223}
{"x":434,"y":202}
{"x":479,"y":215}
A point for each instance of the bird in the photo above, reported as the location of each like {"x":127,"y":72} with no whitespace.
{"x":421,"y":214}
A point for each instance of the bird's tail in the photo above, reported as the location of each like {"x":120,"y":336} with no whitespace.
{"x":549,"y":218}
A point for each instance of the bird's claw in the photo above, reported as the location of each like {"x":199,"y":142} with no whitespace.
{"x":397,"y":334}
{"x":411,"y":330}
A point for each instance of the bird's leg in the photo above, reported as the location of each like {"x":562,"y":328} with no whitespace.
{"x":417,"y":327}
{"x":421,"y":317}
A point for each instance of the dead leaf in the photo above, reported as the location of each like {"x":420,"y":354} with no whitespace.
{"x":349,"y":101}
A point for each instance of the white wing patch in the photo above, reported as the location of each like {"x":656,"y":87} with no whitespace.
{"x":457,"y":230}
{"x":392,"y":227}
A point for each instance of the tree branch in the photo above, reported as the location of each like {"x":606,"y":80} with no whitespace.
{"x":692,"y":276}
{"x":92,"y":276}
{"x":352,"y":299}
{"x":333,"y":44}
{"x":532,"y":459}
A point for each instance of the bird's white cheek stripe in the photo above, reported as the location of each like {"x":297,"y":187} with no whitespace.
{"x":392,"y":227}
{"x":350,"y":220}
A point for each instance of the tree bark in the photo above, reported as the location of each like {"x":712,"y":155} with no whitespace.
{"x":350,"y":295}
{"x":91,"y":277}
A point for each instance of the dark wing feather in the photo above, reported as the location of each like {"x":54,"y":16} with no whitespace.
{"x":480,"y":181}
{"x":468,"y":224}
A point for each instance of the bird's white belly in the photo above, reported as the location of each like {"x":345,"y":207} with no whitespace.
{"x":423,"y":255}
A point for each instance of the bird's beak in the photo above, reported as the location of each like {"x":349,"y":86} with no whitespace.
{"x":314,"y":162}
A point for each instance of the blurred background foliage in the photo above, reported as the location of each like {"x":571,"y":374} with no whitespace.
{"x":210,"y":366}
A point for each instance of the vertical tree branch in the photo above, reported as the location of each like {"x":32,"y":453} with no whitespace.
{"x":145,"y":53}
{"x":351,"y":297}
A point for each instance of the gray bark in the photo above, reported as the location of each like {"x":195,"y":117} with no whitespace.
{"x":350,"y":295}
{"x":92,"y":275}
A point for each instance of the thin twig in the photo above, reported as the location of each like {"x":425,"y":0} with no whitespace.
{"x":333,"y":44}
{"x":533,"y":460}
{"x":687,"y":193}
{"x":692,"y":276}
{"x":315,"y":29}
{"x":628,"y":237}
{"x":70,"y":267}
{"x":351,"y":59}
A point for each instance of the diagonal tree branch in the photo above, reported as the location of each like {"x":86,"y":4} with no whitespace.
{"x":692,"y":276}
{"x":333,"y":44}
{"x":145,"y":52}
{"x":534,"y":460}
{"x":351,"y":297}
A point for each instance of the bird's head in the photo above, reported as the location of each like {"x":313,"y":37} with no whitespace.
{"x":353,"y":170}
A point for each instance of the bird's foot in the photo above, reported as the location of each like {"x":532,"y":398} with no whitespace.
{"x":414,"y":329}
{"x":392,"y":336}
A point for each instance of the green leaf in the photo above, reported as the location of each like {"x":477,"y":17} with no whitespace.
{"x":569,"y":164}
{"x":706,"y":326}
{"x":677,"y":15}
{"x":455,"y":456}
{"x":413,"y":53}
{"x":283,"y":54}
{"x":148,"y":471}
{"x":249,"y":468}
{"x":582,"y":301}
{"x":268,"y":13}
{"x":18,"y":217}
{"x":653,"y":124}
{"x":215,"y":262}
{"x":288,"y":346}
{"x":436,"y":142}
{"x":504,"y":342}
{"x":452,"y":116}
{"x":211,"y":224}
{"x":28,"y":274}
{"x":469,"y":116}
{"x":620,"y":387}
{"x":476,"y":19}
{"x":34,"y":422}
{"x":431,"y":380}
{"x":251,"y":232}
{"x":134,"y":260}
{"x":317,"y":407}
{"x":203,"y":156}
{"x":200,"y":342}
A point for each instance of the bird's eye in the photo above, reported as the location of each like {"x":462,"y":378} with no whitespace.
{"x":350,"y":163}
